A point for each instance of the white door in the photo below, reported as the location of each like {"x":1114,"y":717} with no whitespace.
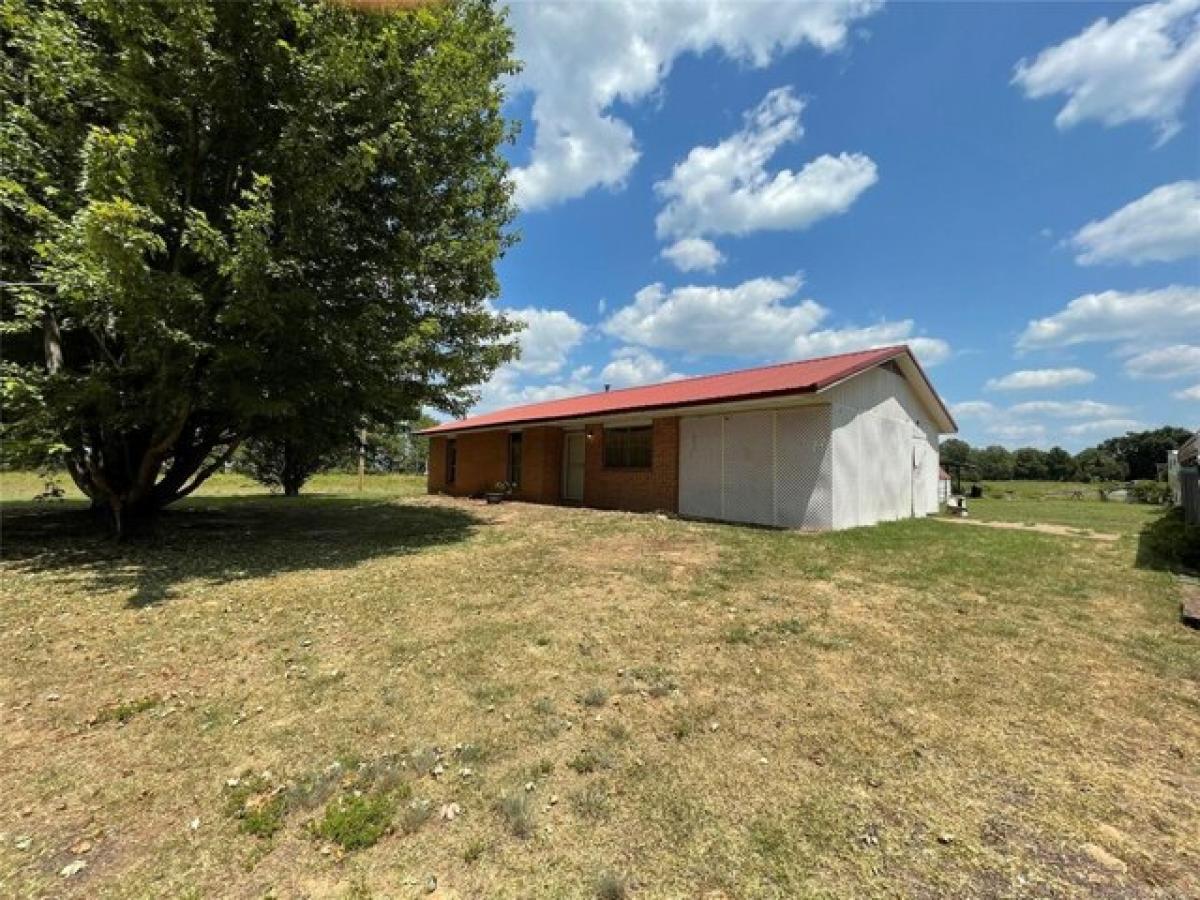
{"x":573,"y":450}
{"x":700,"y":467}
{"x":748,"y":483}
{"x":922,"y":471}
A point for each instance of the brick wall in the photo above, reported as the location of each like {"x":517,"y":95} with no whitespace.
{"x":435,"y":472}
{"x":639,"y":490}
{"x":483,"y":460}
{"x":541,"y":465}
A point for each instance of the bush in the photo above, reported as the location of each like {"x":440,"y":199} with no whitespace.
{"x":1156,"y":492}
{"x":356,"y":821}
{"x":1170,"y":543}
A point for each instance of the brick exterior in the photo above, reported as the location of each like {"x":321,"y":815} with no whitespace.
{"x":541,"y":465}
{"x":638,"y":490}
{"x":483,"y":460}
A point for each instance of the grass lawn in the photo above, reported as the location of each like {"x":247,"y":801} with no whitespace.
{"x":380,"y":694}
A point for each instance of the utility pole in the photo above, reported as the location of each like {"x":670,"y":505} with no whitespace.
{"x":362,"y":457}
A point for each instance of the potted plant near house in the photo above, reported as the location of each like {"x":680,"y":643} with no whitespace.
{"x":499,"y":491}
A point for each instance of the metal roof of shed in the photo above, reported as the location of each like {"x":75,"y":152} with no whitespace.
{"x":801,"y":377}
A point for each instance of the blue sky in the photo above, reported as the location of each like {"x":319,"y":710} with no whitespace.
{"x":1012,"y":188}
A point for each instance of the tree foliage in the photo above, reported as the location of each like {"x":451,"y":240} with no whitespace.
{"x":227,"y":215}
{"x":1136,"y":455}
{"x":1142,"y":452}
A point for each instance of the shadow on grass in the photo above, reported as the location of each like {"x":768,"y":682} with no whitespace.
{"x":223,"y":539}
{"x":1169,"y":543}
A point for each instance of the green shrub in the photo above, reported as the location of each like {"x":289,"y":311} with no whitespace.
{"x":356,"y":821}
{"x":1156,"y":492}
{"x":1170,"y":543}
{"x":259,"y":807}
{"x":266,"y":818}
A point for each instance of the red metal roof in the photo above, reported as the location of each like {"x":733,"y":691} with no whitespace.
{"x":801,"y":377}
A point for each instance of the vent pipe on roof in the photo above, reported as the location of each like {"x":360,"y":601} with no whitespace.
{"x":606,"y":387}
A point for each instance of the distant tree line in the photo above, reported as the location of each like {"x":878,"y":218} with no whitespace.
{"x":1134,"y":456}
{"x":286,"y":463}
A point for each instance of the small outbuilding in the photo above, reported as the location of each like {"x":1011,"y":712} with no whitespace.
{"x":817,"y":444}
{"x":944,"y":486}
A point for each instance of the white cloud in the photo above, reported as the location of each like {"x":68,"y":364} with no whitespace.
{"x":1065,"y":409}
{"x":546,"y":342}
{"x":759,"y":318}
{"x":1040,"y":379}
{"x":1136,"y":316}
{"x":1192,"y":393}
{"x":929,"y":351}
{"x":631,"y":366}
{"x":1162,"y":226}
{"x":749,"y":319}
{"x":1138,"y":67}
{"x":1015,"y":431}
{"x":508,"y":388}
{"x":694,"y":254}
{"x":726,"y":189}
{"x":1042,"y":422}
{"x":1173,"y":361}
{"x":548,"y":338}
{"x":1105,"y":426}
{"x":581,"y":58}
{"x":972,"y":409}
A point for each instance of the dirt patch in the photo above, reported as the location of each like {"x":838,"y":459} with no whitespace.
{"x":1040,"y":528}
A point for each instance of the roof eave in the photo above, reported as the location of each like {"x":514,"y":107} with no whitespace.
{"x":455,"y":428}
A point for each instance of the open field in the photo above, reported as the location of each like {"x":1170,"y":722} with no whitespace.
{"x":618,"y":704}
{"x":1042,"y":490}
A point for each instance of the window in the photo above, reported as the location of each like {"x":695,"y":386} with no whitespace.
{"x":451,"y":460}
{"x":514,"y":458}
{"x":627,"y":448}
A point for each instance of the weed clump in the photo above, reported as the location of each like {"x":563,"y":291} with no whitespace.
{"x":356,"y":821}
{"x":415,"y":815}
{"x":611,"y":886}
{"x":595,"y":698}
{"x":591,"y":802}
{"x":259,"y":807}
{"x":588,"y":760}
{"x":517,"y":812}
{"x":123,"y":712}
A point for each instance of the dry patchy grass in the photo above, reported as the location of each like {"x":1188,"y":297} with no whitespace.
{"x":347,"y":695}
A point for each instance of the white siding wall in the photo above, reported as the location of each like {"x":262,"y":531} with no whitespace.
{"x":769,"y":467}
{"x":885,"y":451}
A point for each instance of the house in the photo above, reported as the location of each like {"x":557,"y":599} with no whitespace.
{"x":1183,"y":476}
{"x":817,"y":444}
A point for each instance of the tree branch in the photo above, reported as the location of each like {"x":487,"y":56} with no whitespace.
{"x":51,"y":342}
{"x":204,"y":473}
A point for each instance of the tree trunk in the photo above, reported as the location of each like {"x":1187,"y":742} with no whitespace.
{"x":295,"y":472}
{"x":123,"y":518}
{"x":121,"y":473}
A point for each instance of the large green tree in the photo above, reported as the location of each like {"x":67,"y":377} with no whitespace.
{"x":1143,"y":452}
{"x":993,"y":463}
{"x":219,"y":215}
{"x":1029,"y":464}
{"x":1094,"y":464}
